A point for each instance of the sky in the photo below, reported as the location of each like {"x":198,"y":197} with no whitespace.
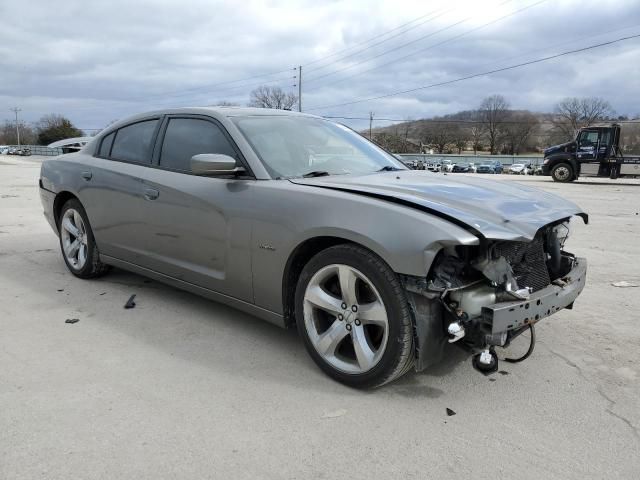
{"x":96,"y":62}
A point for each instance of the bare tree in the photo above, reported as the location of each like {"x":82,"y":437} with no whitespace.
{"x":573,"y":113}
{"x":9,"y":136}
{"x":272,"y":97}
{"x":493,"y":112}
{"x":438,"y":135}
{"x":518,"y":130}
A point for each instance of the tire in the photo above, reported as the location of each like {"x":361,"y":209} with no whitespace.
{"x":74,"y":229}
{"x":562,"y":172}
{"x":362,"y":348}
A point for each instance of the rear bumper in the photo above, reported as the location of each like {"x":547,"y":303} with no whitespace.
{"x":507,"y":316}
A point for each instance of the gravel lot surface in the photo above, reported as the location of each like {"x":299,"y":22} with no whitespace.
{"x":181,"y":387}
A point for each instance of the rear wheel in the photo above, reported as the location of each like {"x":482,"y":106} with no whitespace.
{"x":562,"y":172}
{"x":353,"y":316}
{"x":77,"y":244}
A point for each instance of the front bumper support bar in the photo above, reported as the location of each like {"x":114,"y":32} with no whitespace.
{"x":506,"y":316}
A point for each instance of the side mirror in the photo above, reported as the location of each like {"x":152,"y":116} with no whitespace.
{"x":211,"y":164}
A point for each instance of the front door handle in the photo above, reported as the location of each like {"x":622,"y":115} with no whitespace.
{"x":151,"y":193}
{"x":87,"y":175}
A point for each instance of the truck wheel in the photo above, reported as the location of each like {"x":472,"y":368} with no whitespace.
{"x":562,"y":172}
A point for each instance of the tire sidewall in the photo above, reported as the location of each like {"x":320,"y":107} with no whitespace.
{"x":559,"y":165}
{"x":395,"y":305}
{"x":88,"y":268}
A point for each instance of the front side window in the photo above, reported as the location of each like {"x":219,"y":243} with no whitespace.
{"x":186,"y":137}
{"x":588,"y":138}
{"x":133,"y":142}
{"x":292,"y":146}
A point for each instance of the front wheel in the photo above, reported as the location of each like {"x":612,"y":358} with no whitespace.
{"x":562,"y":172}
{"x":353,"y":316}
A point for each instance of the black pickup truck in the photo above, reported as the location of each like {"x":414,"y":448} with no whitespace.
{"x":601,"y":150}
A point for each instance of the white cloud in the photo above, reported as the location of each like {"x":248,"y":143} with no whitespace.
{"x":96,"y":61}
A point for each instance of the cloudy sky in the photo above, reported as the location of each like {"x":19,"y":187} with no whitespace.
{"x":95,"y":62}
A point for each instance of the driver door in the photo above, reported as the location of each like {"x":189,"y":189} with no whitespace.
{"x":198,"y":228}
{"x":588,"y":145}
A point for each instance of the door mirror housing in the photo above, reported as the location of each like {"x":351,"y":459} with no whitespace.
{"x":212,"y":164}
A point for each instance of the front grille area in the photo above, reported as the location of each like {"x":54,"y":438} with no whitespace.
{"x":528,"y":261}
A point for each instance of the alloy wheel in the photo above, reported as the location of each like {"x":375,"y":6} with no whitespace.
{"x":345,"y":318}
{"x":74,"y":239}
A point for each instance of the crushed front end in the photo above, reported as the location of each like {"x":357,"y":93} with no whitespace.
{"x":491,"y":293}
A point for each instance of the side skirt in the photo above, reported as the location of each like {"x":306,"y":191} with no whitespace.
{"x":246,"y":307}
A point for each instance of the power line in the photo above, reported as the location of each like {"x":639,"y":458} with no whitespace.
{"x":475,"y":75}
{"x":430,"y":47}
{"x":381,"y":41}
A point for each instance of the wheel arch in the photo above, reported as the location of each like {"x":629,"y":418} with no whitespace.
{"x":61,"y":198}
{"x":298,"y":258}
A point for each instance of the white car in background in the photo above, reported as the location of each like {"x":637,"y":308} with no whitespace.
{"x":518,"y":169}
{"x":446,"y":166}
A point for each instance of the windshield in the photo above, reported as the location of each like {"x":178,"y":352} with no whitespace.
{"x":292,"y":146}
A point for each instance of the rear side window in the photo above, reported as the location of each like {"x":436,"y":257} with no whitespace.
{"x":186,"y":137}
{"x":133,"y":143}
{"x":105,"y":146}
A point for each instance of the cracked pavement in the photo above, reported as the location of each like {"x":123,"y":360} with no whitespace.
{"x":181,"y":387}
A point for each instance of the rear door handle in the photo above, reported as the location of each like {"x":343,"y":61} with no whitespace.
{"x":87,"y":175}
{"x":151,"y":193}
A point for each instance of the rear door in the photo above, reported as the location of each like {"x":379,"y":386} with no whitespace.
{"x":112,"y":191}
{"x":198,"y":229}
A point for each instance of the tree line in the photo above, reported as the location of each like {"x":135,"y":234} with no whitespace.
{"x":495,"y":128}
{"x":50,"y":128}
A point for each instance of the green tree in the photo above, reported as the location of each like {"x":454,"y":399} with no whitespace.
{"x":53,"y":127}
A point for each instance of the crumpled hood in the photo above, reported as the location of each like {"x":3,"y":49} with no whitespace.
{"x":491,"y":209}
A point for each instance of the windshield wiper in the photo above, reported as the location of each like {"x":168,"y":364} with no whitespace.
{"x":389,"y":168}
{"x":316,"y":173}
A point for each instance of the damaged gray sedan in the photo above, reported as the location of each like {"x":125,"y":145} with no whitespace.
{"x":306,"y":224}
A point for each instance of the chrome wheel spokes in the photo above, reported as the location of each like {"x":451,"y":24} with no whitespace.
{"x":74,"y":239}
{"x":345,"y":318}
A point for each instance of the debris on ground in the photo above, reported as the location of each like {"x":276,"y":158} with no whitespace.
{"x":624,"y":284}
{"x":450,"y":413}
{"x":503,"y":372}
{"x":72,"y":320}
{"x":103,"y":293}
{"x":61,"y":289}
{"x":130,"y":303}
{"x":336,"y":414}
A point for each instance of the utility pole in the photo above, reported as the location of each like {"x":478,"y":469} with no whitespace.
{"x":370,"y":123}
{"x":300,"y":88}
{"x":16,"y":110}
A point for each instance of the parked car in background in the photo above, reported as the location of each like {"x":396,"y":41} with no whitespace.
{"x":446,"y":166}
{"x":461,"y":168}
{"x":271,"y":212}
{"x":472,"y":167}
{"x":484,"y":168}
{"x":4,"y":149}
{"x":518,"y":169}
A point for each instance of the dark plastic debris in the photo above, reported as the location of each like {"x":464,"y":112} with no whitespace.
{"x":503,"y":372}
{"x":450,"y":412}
{"x":72,"y":320}
{"x":130,"y":303}
{"x":61,"y":289}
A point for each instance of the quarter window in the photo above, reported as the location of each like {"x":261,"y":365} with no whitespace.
{"x":133,"y":143}
{"x":105,"y":146}
{"x":186,"y":137}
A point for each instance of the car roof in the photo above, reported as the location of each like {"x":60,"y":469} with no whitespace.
{"x":216,"y":112}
